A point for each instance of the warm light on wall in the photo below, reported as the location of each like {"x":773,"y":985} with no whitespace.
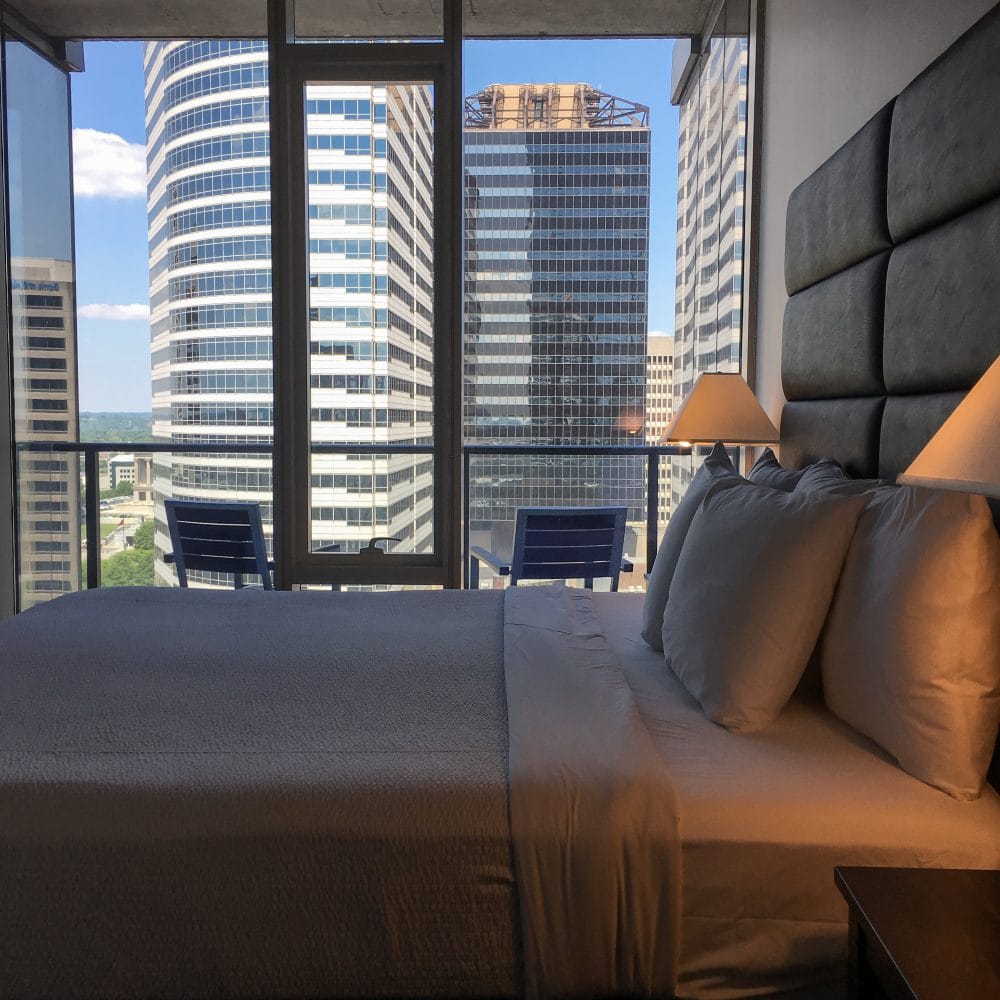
{"x":965,"y":453}
{"x":720,"y":407}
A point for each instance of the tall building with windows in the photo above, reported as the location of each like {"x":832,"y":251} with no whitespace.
{"x":711,"y":169}
{"x":557,"y":223}
{"x":660,"y":407}
{"x":45,"y":410}
{"x":369,"y":156}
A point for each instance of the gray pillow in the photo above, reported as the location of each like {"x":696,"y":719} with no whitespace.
{"x":768,"y":471}
{"x":750,"y":595}
{"x":910,"y":655}
{"x":716,"y":466}
{"x":828,"y":476}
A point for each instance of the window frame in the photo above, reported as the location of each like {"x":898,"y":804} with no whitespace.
{"x":293,"y":65}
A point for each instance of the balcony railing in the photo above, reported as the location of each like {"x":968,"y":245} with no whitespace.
{"x":650,"y":455}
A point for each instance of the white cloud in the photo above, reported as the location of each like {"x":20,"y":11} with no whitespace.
{"x":107,"y":166}
{"x":102,"y":310}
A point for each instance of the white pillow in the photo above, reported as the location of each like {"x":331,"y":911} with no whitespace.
{"x":750,"y":595}
{"x":717,"y":466}
{"x":910,"y":655}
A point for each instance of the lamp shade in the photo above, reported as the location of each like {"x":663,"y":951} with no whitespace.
{"x":965,"y":453}
{"x":721,"y":407}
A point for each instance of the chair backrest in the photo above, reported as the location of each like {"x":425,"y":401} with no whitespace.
{"x":218,"y":537}
{"x":568,"y":543}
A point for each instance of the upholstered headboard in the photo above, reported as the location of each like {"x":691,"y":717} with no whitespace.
{"x":892,"y":267}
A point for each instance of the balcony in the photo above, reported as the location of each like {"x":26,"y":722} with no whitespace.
{"x":636,"y":475}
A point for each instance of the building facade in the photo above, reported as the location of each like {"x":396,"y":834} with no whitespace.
{"x":660,"y":408}
{"x":43,"y":306}
{"x":710,"y":197}
{"x":556,"y":295}
{"x":369,"y":192}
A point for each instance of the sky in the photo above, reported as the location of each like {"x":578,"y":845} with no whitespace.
{"x":109,"y":174}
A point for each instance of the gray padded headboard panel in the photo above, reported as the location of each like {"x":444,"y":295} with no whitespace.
{"x":892,"y":267}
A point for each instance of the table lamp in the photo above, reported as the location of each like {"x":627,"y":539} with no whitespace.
{"x":720,"y":408}
{"x":964,"y":455}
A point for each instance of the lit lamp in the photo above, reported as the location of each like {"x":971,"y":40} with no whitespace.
{"x":720,"y":408}
{"x":965,"y":453}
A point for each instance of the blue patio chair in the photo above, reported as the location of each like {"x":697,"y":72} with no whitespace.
{"x":561,"y":543}
{"x":217,"y":537}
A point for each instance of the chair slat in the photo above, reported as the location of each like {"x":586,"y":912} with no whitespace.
{"x":569,"y":522}
{"x":224,"y":549}
{"x":222,"y":564}
{"x":222,"y":532}
{"x":212,"y":513}
{"x":599,"y":536}
{"x":567,"y":553}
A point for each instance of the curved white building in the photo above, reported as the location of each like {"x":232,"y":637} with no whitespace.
{"x":210,"y":288}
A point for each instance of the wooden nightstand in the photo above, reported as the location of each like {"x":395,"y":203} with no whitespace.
{"x":926,"y":933}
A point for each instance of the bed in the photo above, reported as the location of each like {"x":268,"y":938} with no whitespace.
{"x":487,"y":795}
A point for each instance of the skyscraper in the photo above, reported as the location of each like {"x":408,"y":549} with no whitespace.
{"x":660,"y":407}
{"x":711,"y":166}
{"x":369,"y":155}
{"x":557,"y":217}
{"x":43,"y":303}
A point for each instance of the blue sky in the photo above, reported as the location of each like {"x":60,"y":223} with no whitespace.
{"x":109,"y":135}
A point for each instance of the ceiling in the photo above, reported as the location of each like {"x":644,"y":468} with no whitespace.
{"x":363,"y":18}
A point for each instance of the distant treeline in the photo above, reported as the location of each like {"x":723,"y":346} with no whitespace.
{"x":116,"y":426}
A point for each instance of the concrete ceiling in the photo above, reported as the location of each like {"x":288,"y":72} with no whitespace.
{"x":362,"y":18}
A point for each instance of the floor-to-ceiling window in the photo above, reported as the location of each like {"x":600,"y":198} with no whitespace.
{"x":42,"y":321}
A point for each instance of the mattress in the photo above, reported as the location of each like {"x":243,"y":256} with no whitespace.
{"x":313,"y":794}
{"x":766,"y":816}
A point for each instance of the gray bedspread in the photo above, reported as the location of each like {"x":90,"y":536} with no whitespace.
{"x":298,"y":795}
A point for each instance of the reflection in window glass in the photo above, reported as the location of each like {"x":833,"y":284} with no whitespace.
{"x":710,"y":197}
{"x":42,"y":304}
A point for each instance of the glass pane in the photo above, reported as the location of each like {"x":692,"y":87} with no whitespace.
{"x":499,"y":484}
{"x":209,"y":206}
{"x":710,"y":199}
{"x":557,"y":203}
{"x":371,"y":325}
{"x":42,"y":322}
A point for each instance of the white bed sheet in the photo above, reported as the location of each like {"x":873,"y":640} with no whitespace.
{"x":766,"y":816}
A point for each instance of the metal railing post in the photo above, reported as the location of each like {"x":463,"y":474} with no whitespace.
{"x":466,"y":509}
{"x":652,"y":505}
{"x":92,"y":505}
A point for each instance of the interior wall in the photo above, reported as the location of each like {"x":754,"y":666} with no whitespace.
{"x":827,"y":68}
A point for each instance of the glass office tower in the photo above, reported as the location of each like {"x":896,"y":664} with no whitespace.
{"x":557,"y":217}
{"x":369,"y":188}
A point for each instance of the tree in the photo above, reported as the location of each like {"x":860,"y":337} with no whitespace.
{"x":123,"y":489}
{"x":142,"y":540}
{"x":131,"y":568}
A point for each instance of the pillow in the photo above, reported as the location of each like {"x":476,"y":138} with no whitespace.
{"x":768,"y":471}
{"x":716,"y":466}
{"x":910,"y":655}
{"x":828,"y":476}
{"x":750,"y":594}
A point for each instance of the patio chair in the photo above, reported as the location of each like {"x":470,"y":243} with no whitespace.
{"x":217,"y":537}
{"x":561,"y":543}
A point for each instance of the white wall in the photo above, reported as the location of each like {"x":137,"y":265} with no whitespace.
{"x":829,"y":65}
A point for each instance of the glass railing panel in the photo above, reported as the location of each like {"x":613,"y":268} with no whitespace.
{"x":499,"y":484}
